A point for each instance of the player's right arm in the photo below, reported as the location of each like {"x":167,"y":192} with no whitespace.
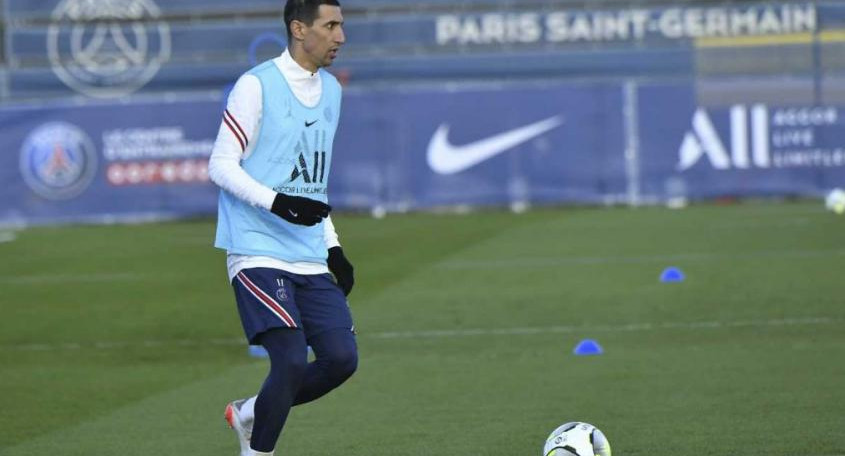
{"x":240,"y":124}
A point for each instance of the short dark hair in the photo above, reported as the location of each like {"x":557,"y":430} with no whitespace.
{"x":304,"y":11}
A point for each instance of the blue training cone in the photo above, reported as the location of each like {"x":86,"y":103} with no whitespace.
{"x":588,"y":347}
{"x":257,"y":351}
{"x":672,"y":274}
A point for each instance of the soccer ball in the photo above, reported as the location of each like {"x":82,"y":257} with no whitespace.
{"x":576,"y":439}
{"x":835,"y":201}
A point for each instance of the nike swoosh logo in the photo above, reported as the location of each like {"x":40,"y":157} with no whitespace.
{"x":294,"y":214}
{"x":308,"y":124}
{"x":445,"y":158}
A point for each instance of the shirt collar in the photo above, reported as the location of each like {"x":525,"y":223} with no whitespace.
{"x":293,"y":70}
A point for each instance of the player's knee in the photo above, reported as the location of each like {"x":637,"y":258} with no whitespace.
{"x":297,"y":363}
{"x":342,"y":364}
{"x":290,"y":364}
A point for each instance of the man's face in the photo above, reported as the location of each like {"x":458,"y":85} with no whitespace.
{"x":323,"y":38}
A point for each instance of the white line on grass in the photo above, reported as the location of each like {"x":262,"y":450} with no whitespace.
{"x":731,"y":225}
{"x":629,"y":327}
{"x":72,"y":278}
{"x":554,"y":261}
{"x":125,"y":344}
{"x":433,"y":334}
{"x":96,"y":277}
{"x":92,"y":277}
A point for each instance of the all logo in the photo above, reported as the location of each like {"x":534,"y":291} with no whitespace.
{"x":58,"y":161}
{"x":107,"y":48}
{"x":749,"y":147}
{"x":315,"y":174}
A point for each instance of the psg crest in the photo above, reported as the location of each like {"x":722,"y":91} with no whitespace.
{"x":58,"y":161}
{"x":107,"y":48}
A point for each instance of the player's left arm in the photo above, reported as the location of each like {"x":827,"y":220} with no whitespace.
{"x":339,"y":265}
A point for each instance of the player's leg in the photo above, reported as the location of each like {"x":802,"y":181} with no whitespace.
{"x":270,"y":317}
{"x":336,"y":358}
{"x":328,"y":327}
{"x":288,"y":360}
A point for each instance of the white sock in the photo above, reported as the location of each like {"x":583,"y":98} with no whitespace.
{"x":258,"y":453}
{"x":247,"y":410}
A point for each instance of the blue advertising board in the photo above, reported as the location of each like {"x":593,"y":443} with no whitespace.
{"x":737,"y":150}
{"x":394,"y":149}
{"x":427,"y":147}
{"x":481,"y":146}
{"x":104,"y":161}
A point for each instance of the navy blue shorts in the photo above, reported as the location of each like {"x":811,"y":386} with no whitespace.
{"x":271,"y":298}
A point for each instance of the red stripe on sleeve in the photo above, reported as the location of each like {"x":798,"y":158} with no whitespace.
{"x":237,"y":125}
{"x":232,"y":129}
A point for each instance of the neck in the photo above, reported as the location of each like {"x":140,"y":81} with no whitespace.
{"x":298,"y":56}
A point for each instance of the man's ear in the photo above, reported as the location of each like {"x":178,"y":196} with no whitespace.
{"x":297,"y":30}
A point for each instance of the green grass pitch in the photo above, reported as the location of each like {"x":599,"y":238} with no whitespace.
{"x":125,"y":340}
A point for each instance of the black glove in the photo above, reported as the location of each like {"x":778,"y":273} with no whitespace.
{"x":342,"y":269}
{"x":299,"y":210}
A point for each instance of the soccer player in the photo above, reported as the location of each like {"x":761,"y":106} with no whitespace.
{"x":272,"y":159}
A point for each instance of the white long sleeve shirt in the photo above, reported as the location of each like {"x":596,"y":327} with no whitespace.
{"x":240,"y":125}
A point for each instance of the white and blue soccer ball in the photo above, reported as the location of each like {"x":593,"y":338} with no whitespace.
{"x":576,"y":439}
{"x":835,"y":201}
